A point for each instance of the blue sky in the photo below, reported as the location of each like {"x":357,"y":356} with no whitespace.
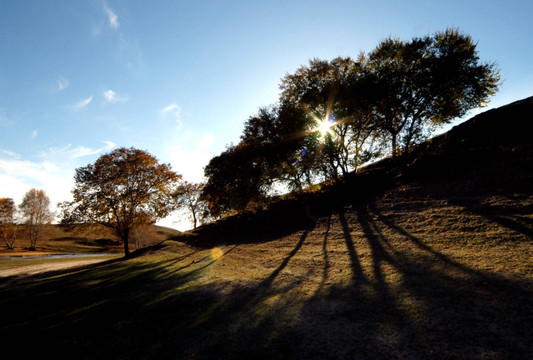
{"x":179,"y":78}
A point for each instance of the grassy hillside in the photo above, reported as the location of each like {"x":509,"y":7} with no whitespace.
{"x":424,"y":257}
{"x":84,"y":239}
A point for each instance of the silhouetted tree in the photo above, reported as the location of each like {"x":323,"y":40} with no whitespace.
{"x":333,"y":116}
{"x":425,"y":82}
{"x":235,"y":181}
{"x":188,"y":196}
{"x":35,"y":209}
{"x":7,"y":222}
{"x":122,"y":189}
{"x":275,"y":152}
{"x":282,"y":144}
{"x":332,"y":95}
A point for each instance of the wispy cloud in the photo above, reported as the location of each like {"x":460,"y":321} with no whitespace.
{"x":9,"y":153}
{"x":68,"y":151}
{"x":130,"y":53}
{"x":34,"y":134}
{"x":112,"y":17}
{"x":83,"y":103}
{"x":112,"y":97}
{"x":81,"y":151}
{"x":62,"y":83}
{"x":173,"y":112}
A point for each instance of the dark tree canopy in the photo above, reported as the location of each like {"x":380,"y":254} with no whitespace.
{"x":333,"y":116}
{"x":234,"y":181}
{"x":331,"y":95}
{"x":122,"y":189}
{"x":426,"y":82}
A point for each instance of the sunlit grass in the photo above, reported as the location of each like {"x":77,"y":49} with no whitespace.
{"x":374,"y":280}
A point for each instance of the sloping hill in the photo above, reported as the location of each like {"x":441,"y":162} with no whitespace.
{"x":424,"y":257}
{"x":490,"y":154}
{"x":84,"y":239}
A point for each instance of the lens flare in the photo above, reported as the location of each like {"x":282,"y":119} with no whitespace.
{"x":324,"y":126}
{"x":216,"y":253}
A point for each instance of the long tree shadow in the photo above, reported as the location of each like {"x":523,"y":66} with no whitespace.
{"x":266,"y":283}
{"x":419,"y":243}
{"x":357,"y":270}
{"x":514,"y":217}
{"x":417,"y":310}
{"x":325,"y":256}
{"x":465,"y":308}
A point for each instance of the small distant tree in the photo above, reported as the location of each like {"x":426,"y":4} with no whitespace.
{"x":142,"y":233}
{"x":7,"y":222}
{"x":123,"y":189}
{"x":35,"y":209}
{"x":188,"y":197}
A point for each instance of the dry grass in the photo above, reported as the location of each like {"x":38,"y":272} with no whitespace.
{"x":409,"y":275}
{"x":81,"y":239}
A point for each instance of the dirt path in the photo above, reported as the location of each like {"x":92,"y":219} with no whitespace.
{"x":21,"y":271}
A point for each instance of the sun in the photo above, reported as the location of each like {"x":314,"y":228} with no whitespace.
{"x":324,"y":127}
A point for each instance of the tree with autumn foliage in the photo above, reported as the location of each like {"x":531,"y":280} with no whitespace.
{"x":35,"y":209}
{"x":7,"y":222}
{"x":123,"y":189}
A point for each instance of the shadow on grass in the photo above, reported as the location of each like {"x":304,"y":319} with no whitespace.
{"x":513,"y":217}
{"x":399,"y":303}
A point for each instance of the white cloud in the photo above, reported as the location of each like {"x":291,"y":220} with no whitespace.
{"x":69,"y":152}
{"x":34,"y":134}
{"x":112,"y":17}
{"x":130,"y":53}
{"x":18,"y":176}
{"x":53,"y":172}
{"x":10,"y":154}
{"x":173,"y":112}
{"x":112,"y":97}
{"x":83,"y":103}
{"x":62,"y":83}
{"x":81,"y":151}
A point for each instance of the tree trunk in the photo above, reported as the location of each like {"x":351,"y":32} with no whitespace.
{"x":194,"y":218}
{"x":125,"y":240}
{"x":394,"y":145}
